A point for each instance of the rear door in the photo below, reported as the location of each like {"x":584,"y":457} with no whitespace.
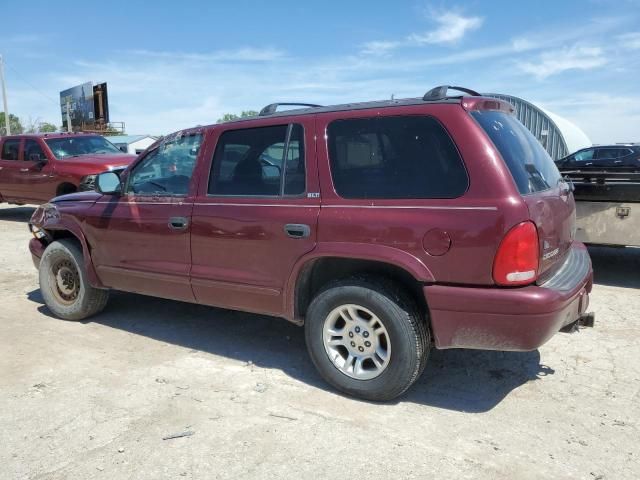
{"x":255,"y":214}
{"x":10,"y":156}
{"x":548,"y":198}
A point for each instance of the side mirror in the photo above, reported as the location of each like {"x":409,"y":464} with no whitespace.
{"x":123,"y":148}
{"x":108,"y":183}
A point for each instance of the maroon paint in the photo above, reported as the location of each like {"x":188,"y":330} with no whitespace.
{"x":236,"y":253}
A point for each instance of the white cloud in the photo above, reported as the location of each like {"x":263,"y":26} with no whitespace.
{"x":246,"y":54}
{"x":569,"y":58}
{"x":630,"y":40}
{"x":451,"y":29}
{"x":379,"y":47}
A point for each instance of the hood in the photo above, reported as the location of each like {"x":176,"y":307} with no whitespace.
{"x":77,"y":197}
{"x":105,"y":161}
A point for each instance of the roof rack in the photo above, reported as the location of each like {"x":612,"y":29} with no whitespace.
{"x":440,"y":93}
{"x":271,"y":108}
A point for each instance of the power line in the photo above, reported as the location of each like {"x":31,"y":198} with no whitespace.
{"x":32,"y":85}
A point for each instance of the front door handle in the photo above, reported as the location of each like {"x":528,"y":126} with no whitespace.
{"x":24,"y":170}
{"x":297,"y":230}
{"x":178,"y":223}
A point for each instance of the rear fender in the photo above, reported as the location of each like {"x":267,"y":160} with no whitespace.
{"x":353,"y":251}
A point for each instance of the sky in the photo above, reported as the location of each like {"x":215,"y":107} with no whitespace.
{"x":172,"y":67}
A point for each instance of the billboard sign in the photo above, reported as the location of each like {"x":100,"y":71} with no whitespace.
{"x":79,"y":101}
{"x":101,"y":103}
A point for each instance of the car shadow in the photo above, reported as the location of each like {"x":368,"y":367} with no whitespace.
{"x":616,"y":266}
{"x":16,"y":214}
{"x":461,"y":380}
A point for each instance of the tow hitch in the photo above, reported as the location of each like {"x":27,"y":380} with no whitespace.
{"x":585,"y":320}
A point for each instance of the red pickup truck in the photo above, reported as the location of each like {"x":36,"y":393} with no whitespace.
{"x":37,"y":167}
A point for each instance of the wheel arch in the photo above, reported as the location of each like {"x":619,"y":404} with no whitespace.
{"x":64,"y":188}
{"x":65,"y":229}
{"x":315,"y":270}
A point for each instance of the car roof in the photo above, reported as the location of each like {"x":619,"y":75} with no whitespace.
{"x":49,"y":135}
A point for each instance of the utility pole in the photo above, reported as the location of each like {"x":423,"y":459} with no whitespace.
{"x":4,"y":97}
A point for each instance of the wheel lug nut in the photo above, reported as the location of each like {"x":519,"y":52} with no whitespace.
{"x":361,"y":349}
{"x":357,"y":329}
{"x":365,"y":334}
{"x":353,"y":344}
{"x":350,"y":334}
{"x":367,"y":344}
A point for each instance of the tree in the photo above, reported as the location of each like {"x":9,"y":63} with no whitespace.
{"x":227,"y":117}
{"x":14,"y":122}
{"x":46,"y":127}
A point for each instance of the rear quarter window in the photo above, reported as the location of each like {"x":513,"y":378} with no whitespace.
{"x":529,"y":163}
{"x":394,"y":157}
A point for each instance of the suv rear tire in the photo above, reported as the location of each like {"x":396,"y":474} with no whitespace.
{"x":367,"y":338}
{"x":64,"y":285}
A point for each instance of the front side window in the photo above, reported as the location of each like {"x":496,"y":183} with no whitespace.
{"x":584,"y":156}
{"x":529,"y":163}
{"x":10,"y":149}
{"x":394,"y":157}
{"x":251,"y":162}
{"x":75,"y":146}
{"x":33,"y":151}
{"x":167,"y":169}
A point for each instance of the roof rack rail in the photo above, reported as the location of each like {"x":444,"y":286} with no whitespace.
{"x":440,"y":93}
{"x":271,"y":108}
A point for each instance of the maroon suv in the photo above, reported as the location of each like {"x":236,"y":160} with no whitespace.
{"x":386,"y":228}
{"x":37,"y":167}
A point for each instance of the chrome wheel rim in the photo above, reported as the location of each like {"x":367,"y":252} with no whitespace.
{"x":356,"y":342}
{"x":66,"y":281}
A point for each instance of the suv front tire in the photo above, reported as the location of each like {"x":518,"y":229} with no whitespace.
{"x":64,"y":285}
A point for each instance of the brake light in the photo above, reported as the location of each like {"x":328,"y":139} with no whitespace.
{"x":516,"y":262}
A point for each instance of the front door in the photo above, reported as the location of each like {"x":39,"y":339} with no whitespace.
{"x":140,"y":239}
{"x":35,"y":178}
{"x":255,"y":215}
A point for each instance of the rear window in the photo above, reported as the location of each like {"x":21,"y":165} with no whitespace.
{"x":529,"y":163}
{"x":394,"y":157}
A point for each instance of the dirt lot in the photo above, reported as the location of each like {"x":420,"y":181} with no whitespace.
{"x":95,"y":399}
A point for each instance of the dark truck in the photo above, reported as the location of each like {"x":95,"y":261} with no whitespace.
{"x":606,"y":179}
{"x":37,"y":167}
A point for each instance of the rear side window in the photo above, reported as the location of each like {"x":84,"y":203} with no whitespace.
{"x":10,"y":149}
{"x":530,"y":164}
{"x":394,"y":157}
{"x":264,"y":161}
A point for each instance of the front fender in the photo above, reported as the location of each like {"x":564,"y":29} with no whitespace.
{"x":53,"y":222}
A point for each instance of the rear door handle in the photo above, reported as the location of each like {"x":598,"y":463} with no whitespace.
{"x":178,"y":223}
{"x":297,"y":230}
{"x":24,"y":169}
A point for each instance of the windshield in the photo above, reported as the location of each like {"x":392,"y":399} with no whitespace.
{"x":530,"y":164}
{"x":76,"y":146}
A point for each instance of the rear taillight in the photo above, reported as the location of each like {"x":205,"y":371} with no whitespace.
{"x":516,"y":262}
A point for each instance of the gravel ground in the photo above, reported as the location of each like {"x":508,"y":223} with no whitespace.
{"x":98,"y":399}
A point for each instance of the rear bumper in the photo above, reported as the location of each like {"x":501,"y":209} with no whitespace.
{"x":36,"y":248}
{"x":517,"y":319}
